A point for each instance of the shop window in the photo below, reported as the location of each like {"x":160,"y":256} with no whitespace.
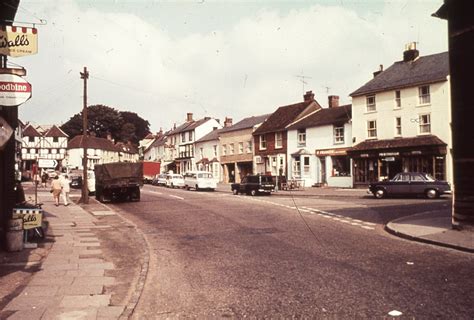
{"x":398,"y":99}
{"x":341,"y":166}
{"x":263,"y":142}
{"x":372,"y":129}
{"x":424,"y":94}
{"x":278,"y":140}
{"x":370,"y":100}
{"x":338,"y":135}
{"x":301,"y":137}
{"x":398,"y":126}
{"x":425,"y":123}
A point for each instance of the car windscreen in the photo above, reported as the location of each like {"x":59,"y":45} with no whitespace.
{"x":266,"y":179}
{"x":205,"y":175}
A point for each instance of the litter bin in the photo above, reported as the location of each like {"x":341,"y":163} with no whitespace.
{"x":15,"y":235}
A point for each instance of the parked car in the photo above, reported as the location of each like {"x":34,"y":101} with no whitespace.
{"x":51,"y":173}
{"x":254,"y":184}
{"x":76,"y":181}
{"x":199,"y":180}
{"x":174,"y":180}
{"x":159,"y":180}
{"x":410,"y":183}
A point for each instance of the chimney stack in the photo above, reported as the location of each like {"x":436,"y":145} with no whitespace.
{"x":227,"y":122}
{"x":333,"y":101}
{"x":410,"y":53}
{"x":189,"y":116}
{"x":308,"y":96}
{"x":376,"y":73}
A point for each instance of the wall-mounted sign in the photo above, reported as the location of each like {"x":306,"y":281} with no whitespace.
{"x":18,"y":41}
{"x":47,"y":163}
{"x":14,"y":90}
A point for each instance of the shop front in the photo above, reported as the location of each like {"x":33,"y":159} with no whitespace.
{"x":335,"y":168}
{"x":377,"y":160}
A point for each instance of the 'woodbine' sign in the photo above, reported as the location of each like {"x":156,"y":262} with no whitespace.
{"x":18,"y":41}
{"x":14,"y":90}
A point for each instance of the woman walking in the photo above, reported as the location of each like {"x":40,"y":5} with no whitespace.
{"x":56,"y":189}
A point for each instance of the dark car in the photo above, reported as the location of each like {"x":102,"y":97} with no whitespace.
{"x":410,"y":183}
{"x":76,"y":182}
{"x":254,"y":185}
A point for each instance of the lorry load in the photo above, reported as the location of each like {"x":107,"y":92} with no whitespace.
{"x":118,"y":181}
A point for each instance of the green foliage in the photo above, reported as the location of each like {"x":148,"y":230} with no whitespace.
{"x":103,"y":120}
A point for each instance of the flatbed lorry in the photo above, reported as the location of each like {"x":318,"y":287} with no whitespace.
{"x":118,"y":181}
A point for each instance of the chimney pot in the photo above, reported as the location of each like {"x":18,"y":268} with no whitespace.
{"x":227,"y":122}
{"x":376,"y":73}
{"x":333,"y":101}
{"x":308,"y":96}
{"x":189,"y":116}
{"x":410,"y":53}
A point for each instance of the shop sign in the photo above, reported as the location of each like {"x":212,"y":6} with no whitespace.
{"x":18,"y":41}
{"x":332,"y":152}
{"x":388,"y":154}
{"x":389,"y":159}
{"x":364,"y":155}
{"x":31,"y":217}
{"x":14,"y":90}
{"x":416,"y":152}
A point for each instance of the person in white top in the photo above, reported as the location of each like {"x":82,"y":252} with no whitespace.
{"x":65,"y":189}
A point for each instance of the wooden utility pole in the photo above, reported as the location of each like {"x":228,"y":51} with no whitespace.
{"x":85,"y":189}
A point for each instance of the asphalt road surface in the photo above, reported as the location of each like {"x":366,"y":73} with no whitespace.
{"x":216,"y":255}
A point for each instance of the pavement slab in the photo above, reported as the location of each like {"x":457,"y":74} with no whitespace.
{"x":85,"y":301}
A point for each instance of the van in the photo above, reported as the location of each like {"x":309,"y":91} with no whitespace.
{"x":199,"y":180}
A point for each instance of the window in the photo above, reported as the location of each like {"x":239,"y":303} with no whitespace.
{"x":370,"y":103}
{"x":241,"y":147}
{"x":301,"y":137}
{"x":296,"y":167}
{"x":341,"y":166}
{"x":263,"y":142}
{"x":55,"y":139}
{"x":398,"y":99}
{"x":190,"y":136}
{"x":231,"y":148}
{"x":224,"y":149}
{"x":31,"y":139}
{"x":201,"y":152}
{"x":372,"y":129}
{"x":338,"y":135}
{"x":249,"y":146}
{"x":183,"y":137}
{"x":398,"y":126}
{"x":306,"y":168}
{"x":425,"y":123}
{"x":424,"y":94}
{"x":215,"y":151}
{"x":278,"y":140}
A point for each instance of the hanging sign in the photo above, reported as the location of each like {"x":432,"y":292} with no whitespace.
{"x":14,"y":90}
{"x":18,"y":41}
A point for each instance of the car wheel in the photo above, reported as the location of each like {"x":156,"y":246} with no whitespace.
{"x":197,"y":188}
{"x":172,"y":186}
{"x":253,"y":192}
{"x":235,"y":191}
{"x":380,"y":193}
{"x":431,"y":194}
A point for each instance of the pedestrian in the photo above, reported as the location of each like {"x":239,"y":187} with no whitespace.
{"x":44,"y":179}
{"x":65,"y":184}
{"x":56,"y":190}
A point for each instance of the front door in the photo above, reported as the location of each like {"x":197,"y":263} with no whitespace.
{"x":323,"y":170}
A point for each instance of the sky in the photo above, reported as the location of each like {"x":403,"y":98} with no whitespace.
{"x":163,"y":59}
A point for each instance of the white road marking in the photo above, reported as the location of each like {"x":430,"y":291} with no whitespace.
{"x":177,"y":197}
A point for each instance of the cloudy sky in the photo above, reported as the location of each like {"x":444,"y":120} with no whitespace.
{"x":162,"y":59}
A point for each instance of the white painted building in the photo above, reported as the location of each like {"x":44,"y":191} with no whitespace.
{"x":317,"y":147}
{"x":208,"y":154}
{"x":99,"y":151}
{"x":401,"y":120}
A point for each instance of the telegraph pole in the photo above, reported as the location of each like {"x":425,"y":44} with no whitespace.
{"x":85,"y":189}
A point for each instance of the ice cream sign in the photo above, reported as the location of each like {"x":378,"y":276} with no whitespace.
{"x":14,"y":90}
{"x":18,"y":41}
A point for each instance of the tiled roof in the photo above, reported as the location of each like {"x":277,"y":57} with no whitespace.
{"x":327,"y":116}
{"x":284,"y":115}
{"x":149,"y":136}
{"x":125,"y":147}
{"x":247,"y":123}
{"x":428,"y":140}
{"x":213,"y":135}
{"x":427,"y":69}
{"x":55,"y":132}
{"x":92,"y":143}
{"x":190,"y":125}
{"x":31,"y":131}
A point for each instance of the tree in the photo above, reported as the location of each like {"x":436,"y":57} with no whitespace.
{"x":103,"y":120}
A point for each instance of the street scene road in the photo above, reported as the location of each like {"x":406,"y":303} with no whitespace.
{"x":214,"y":254}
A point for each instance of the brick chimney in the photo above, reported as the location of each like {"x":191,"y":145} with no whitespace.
{"x":227,"y":122}
{"x":376,"y":73}
{"x":333,"y":101}
{"x":410,"y":53}
{"x":189,"y":116}
{"x":308,"y":96}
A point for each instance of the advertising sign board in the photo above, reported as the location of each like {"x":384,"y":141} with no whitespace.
{"x":14,"y":90}
{"x":47,"y":163}
{"x":18,"y":41}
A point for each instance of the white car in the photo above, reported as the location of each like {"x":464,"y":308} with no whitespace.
{"x":174,"y":181}
{"x":199,"y":180}
{"x":160,"y":179}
